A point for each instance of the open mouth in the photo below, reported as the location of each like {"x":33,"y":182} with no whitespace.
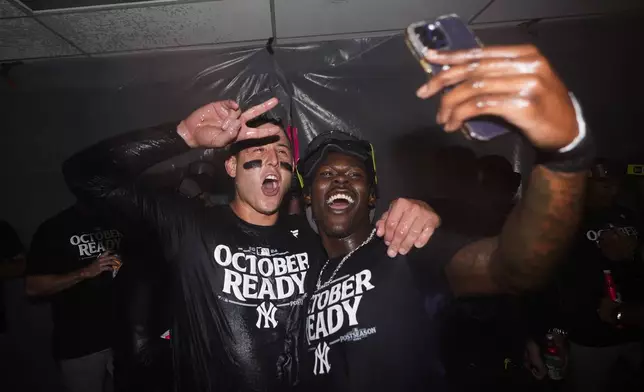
{"x":340,"y":201}
{"x":271,"y":185}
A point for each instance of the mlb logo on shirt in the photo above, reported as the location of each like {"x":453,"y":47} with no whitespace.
{"x":263,"y":252}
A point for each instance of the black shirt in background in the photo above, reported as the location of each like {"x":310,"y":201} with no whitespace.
{"x":581,"y":286}
{"x":10,"y":246}
{"x":82,"y":313}
{"x":377,"y":327}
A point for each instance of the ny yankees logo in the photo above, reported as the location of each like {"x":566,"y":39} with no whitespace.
{"x":322,"y":364}
{"x":295,"y":233}
{"x":266,"y":311}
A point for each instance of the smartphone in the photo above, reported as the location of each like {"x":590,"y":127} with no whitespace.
{"x":449,"y":32}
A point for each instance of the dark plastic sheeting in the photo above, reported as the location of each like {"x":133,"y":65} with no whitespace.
{"x":365,"y":86}
{"x":362,"y":86}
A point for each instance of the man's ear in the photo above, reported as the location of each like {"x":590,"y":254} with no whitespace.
{"x":372,"y":199}
{"x":307,"y":196}
{"x":231,"y":166}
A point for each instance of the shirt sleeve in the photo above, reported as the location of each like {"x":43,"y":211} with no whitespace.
{"x":10,"y":244}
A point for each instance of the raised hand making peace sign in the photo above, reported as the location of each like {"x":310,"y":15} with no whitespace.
{"x":221,"y":123}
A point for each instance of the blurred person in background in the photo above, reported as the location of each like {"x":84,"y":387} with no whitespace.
{"x":601,"y":291}
{"x":201,"y":181}
{"x":293,"y":203}
{"x":472,"y":195}
{"x":72,"y":262}
{"x":496,"y":192}
{"x":12,"y":265}
{"x":632,"y":196}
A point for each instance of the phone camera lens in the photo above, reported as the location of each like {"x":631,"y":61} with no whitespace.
{"x":438,"y":40}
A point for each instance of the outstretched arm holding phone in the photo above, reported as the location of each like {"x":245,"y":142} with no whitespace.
{"x":517,"y":84}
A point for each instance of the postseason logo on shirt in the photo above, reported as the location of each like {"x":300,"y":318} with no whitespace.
{"x":331,"y":310}
{"x":93,"y":244}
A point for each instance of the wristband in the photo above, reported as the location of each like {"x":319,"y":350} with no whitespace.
{"x":581,"y":125}
{"x":579,"y":155}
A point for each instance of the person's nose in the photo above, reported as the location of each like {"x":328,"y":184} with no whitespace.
{"x":340,"y":179}
{"x":271,"y":157}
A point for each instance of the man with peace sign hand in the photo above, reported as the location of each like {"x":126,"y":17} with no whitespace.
{"x":238,"y":270}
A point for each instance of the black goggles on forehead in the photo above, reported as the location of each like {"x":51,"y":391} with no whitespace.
{"x":320,"y":148}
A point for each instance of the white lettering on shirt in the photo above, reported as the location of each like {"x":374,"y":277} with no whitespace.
{"x":93,"y":244}
{"x":265,"y":278}
{"x":337,"y":306}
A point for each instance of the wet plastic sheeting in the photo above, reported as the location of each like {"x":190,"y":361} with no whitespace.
{"x":366,"y":86}
{"x":363,"y":86}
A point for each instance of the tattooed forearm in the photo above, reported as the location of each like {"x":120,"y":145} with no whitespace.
{"x":538,"y":231}
{"x":534,"y":238}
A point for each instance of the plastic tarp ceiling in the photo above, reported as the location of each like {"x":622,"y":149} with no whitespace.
{"x":362,"y":86}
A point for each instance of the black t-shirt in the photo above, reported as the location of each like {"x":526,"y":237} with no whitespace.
{"x":377,"y":325}
{"x":10,"y":246}
{"x":82,"y":313}
{"x":237,"y":285}
{"x":582,"y":284}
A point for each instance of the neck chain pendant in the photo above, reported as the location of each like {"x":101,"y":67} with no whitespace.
{"x":319,"y":284}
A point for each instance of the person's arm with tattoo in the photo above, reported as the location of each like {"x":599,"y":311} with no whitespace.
{"x":518,"y":84}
